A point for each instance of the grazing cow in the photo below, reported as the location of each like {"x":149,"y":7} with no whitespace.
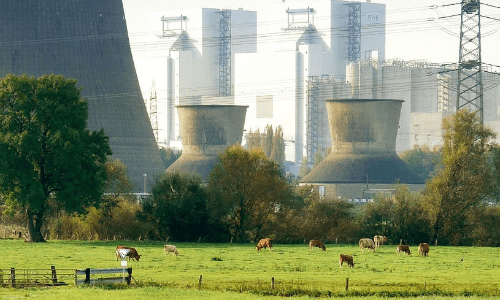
{"x":265,"y":243}
{"x":121,"y":252}
{"x":170,"y":249}
{"x":423,"y":249}
{"x":379,"y":240}
{"x":346,"y":259}
{"x":366,"y":243}
{"x":403,"y":248}
{"x":316,"y":243}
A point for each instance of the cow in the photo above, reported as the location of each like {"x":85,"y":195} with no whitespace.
{"x":122,"y":252}
{"x":316,"y":243}
{"x":170,"y":249}
{"x":403,"y":248}
{"x":366,"y":243}
{"x":423,"y":249}
{"x":265,"y":243}
{"x":346,"y":259}
{"x":379,"y":240}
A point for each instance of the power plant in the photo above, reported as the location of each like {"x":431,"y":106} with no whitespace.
{"x":88,"y":41}
{"x":206,"y":131}
{"x":363,"y":149}
{"x":306,"y":52}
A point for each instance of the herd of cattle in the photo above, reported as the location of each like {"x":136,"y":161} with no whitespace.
{"x":378,"y":240}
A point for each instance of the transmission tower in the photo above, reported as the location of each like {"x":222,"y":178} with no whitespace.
{"x":470,"y":81}
{"x":153,"y":111}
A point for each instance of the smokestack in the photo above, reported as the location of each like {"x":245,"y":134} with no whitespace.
{"x":88,"y":41}
{"x":207,"y":130}
{"x":363,"y":133}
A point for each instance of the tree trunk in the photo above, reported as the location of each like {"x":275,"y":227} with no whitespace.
{"x":35,"y":221}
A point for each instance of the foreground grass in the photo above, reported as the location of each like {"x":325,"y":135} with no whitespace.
{"x":238,"y":271}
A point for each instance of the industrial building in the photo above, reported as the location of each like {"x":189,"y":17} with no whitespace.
{"x":206,"y":131}
{"x":304,"y":53}
{"x":88,"y":41}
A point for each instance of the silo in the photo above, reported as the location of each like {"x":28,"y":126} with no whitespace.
{"x":88,"y":41}
{"x":207,"y":130}
{"x":363,"y":133}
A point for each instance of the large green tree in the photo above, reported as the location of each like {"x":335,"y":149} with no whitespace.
{"x":465,"y":179}
{"x":177,"y":209}
{"x":246,"y":188}
{"x":46,"y":151}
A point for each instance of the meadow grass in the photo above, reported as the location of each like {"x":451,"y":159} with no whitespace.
{"x":239,"y":271}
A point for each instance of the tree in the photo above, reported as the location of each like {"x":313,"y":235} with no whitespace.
{"x":246,"y":188}
{"x":304,"y":168}
{"x":178,"y":207}
{"x":421,"y":161}
{"x":271,"y":142}
{"x":46,"y":150}
{"x":465,"y":179}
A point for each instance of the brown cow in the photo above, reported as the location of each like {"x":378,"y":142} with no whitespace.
{"x":265,"y":243}
{"x":403,"y":248}
{"x":346,"y":259}
{"x":316,"y":243}
{"x":131,"y":253}
{"x":423,"y":249}
{"x":379,"y":240}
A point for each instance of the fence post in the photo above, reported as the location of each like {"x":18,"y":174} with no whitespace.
{"x":12,"y":276}
{"x":200,"y":281}
{"x":272,"y":283}
{"x":347,"y":284}
{"x":87,"y":276}
{"x":54,"y":275}
{"x":129,"y":277}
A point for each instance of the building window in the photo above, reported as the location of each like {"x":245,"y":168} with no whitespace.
{"x":264,"y":106}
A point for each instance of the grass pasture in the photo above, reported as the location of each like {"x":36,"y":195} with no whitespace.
{"x":235,"y":271}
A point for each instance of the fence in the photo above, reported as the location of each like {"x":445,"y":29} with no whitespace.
{"x":33,"y":277}
{"x":88,"y":272}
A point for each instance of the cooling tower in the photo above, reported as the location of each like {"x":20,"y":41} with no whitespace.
{"x":363,"y":136}
{"x":88,"y":41}
{"x":207,"y":130}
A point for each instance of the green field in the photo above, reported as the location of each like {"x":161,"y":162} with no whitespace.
{"x":232,"y":271}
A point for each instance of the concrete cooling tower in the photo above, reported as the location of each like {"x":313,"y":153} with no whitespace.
{"x":88,"y":41}
{"x":207,"y":130}
{"x":363,"y":136}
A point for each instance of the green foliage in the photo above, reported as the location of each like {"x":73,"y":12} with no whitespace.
{"x":169,"y":156}
{"x":398,"y":217}
{"x":245,"y":190}
{"x":465,"y":180}
{"x":421,"y":161}
{"x":177,"y":209}
{"x":105,"y":223}
{"x":46,"y":151}
{"x":270,"y":142}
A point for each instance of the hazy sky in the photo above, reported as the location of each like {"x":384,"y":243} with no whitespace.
{"x":414,"y":29}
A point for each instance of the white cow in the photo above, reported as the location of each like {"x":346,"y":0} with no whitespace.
{"x":379,"y":240}
{"x":366,"y":243}
{"x":170,"y":249}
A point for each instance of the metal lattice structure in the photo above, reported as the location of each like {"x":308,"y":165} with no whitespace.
{"x":354,"y":32}
{"x":225,"y":89}
{"x":153,"y":111}
{"x":470,"y":82}
{"x":312,"y":118}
